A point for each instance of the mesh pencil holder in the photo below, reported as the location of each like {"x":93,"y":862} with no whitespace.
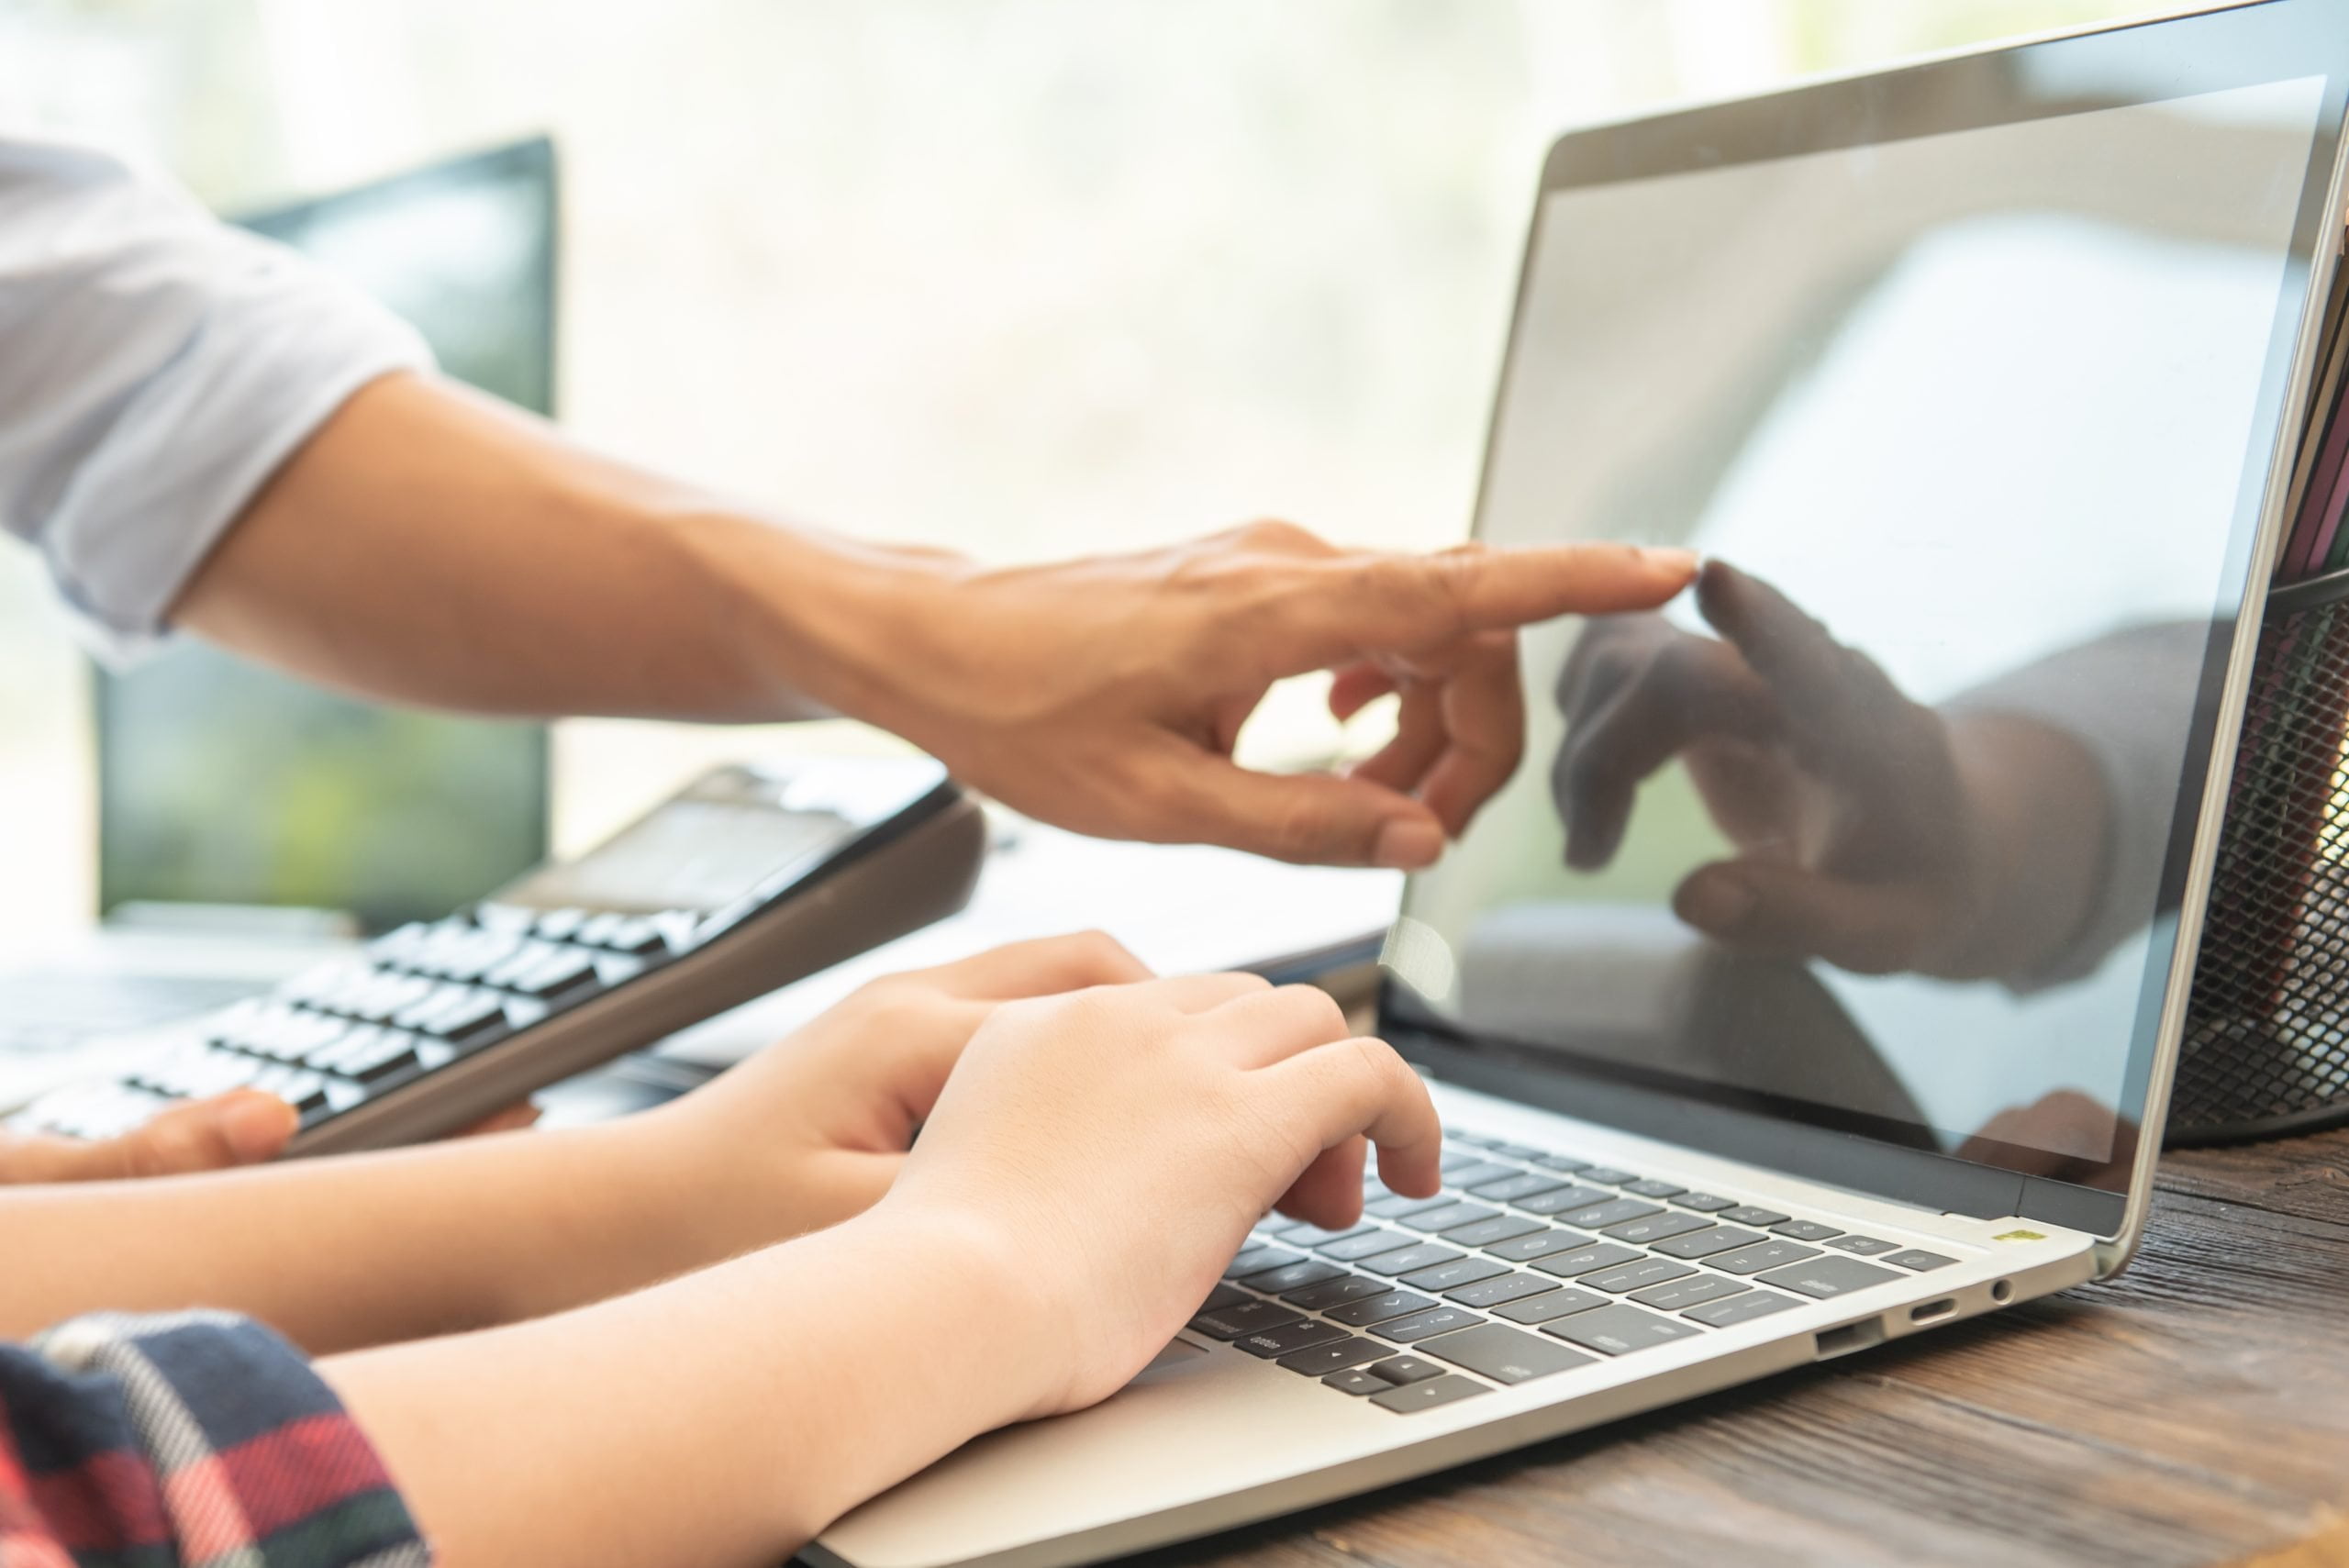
{"x":2266,"y":1047}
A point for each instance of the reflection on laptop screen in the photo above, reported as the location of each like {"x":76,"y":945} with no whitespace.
{"x":224,"y":784}
{"x":1980,"y":420}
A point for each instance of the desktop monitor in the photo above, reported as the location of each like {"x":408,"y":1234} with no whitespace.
{"x":224,"y":784}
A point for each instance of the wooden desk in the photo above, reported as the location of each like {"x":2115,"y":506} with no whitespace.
{"x":2193,"y":1411}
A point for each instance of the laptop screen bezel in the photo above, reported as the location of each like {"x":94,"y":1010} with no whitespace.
{"x":2169,"y":58}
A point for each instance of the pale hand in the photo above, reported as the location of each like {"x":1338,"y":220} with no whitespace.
{"x":1112,"y":1148}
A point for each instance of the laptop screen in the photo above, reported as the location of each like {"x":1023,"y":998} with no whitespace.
{"x":1885,"y":829}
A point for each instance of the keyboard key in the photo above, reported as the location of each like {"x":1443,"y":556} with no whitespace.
{"x":635,"y":935}
{"x":1422,"y":1325}
{"x":1336,"y":1293}
{"x":1315,"y":1236}
{"x":1563,"y":1199}
{"x":1704,"y":1203}
{"x":554,"y":974}
{"x":1483,"y":1171}
{"x":1290,"y":1338}
{"x":1619,"y":1329}
{"x":1628,"y":1277}
{"x":1377,"y":1308}
{"x":1761,"y":1255}
{"x":1357,"y":1382}
{"x":1605,"y":1176}
{"x":561,"y":925}
{"x":1369,"y":1244}
{"x":1525,"y":1249}
{"x":1444,"y":1277}
{"x":1694,"y":1291}
{"x":1650,"y":1187}
{"x":1562,"y":1163}
{"x":1659,"y":1227}
{"x":1740,"y":1308}
{"x":1705,"y":1243}
{"x":1394,"y":1204}
{"x":1919,"y":1259}
{"x":1505,"y":1355}
{"x":1255,"y":1260}
{"x":1484,"y":1232}
{"x":1517,"y":1150}
{"x":1426,"y":1255}
{"x":1598,"y":1217}
{"x":1582,"y":1260}
{"x":1862,"y":1246}
{"x":1448,"y":1216}
{"x":1804,"y":1230}
{"x":1753,"y":1214}
{"x":1428,"y":1395}
{"x":1248,"y":1318}
{"x":1822,"y":1277}
{"x":1458,"y":1160}
{"x":1557,"y":1304}
{"x":1505,"y":1288}
{"x":1524,"y":1185}
{"x":1472,"y":1140}
{"x":1398,"y":1370}
{"x":1338,"y":1355}
{"x":1290,"y":1276}
{"x":1224,"y":1296}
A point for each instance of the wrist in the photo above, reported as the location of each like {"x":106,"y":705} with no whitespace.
{"x":836,"y":621}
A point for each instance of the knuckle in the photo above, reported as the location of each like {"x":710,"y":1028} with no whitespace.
{"x":1279,"y":535}
{"x":1318,"y":1010}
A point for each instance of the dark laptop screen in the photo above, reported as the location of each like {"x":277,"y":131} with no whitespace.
{"x":1969,"y":381}
{"x":221,"y":783}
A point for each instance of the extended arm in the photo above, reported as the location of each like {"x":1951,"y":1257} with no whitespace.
{"x":430,"y":546}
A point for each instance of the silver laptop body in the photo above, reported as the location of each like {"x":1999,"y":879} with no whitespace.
{"x":1993,"y":367}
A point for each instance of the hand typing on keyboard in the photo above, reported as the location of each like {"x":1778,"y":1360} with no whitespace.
{"x":646,"y":1296}
{"x":1114,"y":1146}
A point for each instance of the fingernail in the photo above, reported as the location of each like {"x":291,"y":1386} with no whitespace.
{"x":1717,"y":903}
{"x":1407,"y":843}
{"x":1671,"y":560}
{"x":257,"y":1125}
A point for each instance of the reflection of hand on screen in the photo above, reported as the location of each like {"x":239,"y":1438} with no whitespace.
{"x":1873,"y":831}
{"x":2053,"y":1136}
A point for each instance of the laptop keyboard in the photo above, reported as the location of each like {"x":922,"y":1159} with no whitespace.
{"x":1528,"y":1265}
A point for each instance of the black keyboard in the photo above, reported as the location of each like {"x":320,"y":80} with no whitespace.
{"x":1530,"y":1263}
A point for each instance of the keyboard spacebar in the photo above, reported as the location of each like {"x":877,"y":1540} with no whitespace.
{"x":1505,"y":1355}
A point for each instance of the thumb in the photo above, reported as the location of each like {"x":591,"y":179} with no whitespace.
{"x":1308,"y":818}
{"x":243,"y":1127}
{"x":1774,"y":907}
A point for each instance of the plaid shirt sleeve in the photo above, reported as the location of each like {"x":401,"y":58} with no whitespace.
{"x":194,"y":1441}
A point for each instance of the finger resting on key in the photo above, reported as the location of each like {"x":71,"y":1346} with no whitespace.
{"x":1359,"y":1086}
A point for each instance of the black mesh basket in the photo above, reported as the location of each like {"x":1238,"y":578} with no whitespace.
{"x":2266,"y":1047}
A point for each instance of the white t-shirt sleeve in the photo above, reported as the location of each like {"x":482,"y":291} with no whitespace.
{"x":156,"y":368}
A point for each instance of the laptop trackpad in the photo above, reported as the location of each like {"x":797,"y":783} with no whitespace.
{"x":1180,"y":1357}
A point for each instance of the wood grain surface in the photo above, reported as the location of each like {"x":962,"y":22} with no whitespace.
{"x":2193,"y":1411}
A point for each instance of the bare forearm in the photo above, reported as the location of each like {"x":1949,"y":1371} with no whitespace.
{"x":717,"y":1419}
{"x":369,"y":1249}
{"x":429,"y":546}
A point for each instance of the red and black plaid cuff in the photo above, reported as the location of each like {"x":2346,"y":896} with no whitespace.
{"x":194,"y":1440}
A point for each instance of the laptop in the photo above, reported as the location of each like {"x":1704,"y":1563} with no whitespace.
{"x":1816,"y":980}
{"x":249,"y":824}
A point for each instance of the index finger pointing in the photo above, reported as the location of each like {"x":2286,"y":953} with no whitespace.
{"x":1378,"y":603}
